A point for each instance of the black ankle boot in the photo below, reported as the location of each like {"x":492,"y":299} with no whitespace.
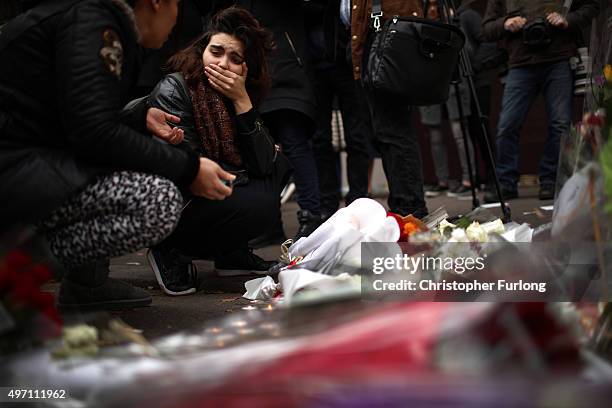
{"x":308,"y":223}
{"x":88,"y":287}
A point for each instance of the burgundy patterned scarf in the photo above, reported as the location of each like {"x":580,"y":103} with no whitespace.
{"x":214,"y":124}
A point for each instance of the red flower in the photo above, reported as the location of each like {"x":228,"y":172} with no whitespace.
{"x":17,"y":260}
{"x":41,"y":274}
{"x":407,"y":225}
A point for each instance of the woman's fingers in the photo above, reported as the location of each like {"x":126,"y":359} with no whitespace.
{"x":218,"y":85}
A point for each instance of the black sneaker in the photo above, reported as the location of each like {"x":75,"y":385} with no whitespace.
{"x":308,"y":223}
{"x":436,"y":190}
{"x":175,"y":273}
{"x":460,"y":192}
{"x":547,"y":192}
{"x":491,"y":195}
{"x":241,"y":262}
{"x":113,"y":294}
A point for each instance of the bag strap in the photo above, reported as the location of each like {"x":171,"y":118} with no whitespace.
{"x":376,"y":14}
{"x":23,"y":22}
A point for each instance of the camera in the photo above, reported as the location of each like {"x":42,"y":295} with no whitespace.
{"x":536,"y":33}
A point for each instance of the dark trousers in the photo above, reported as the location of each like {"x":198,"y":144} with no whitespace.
{"x":294,"y":130}
{"x":338,"y":80}
{"x":555,"y":81}
{"x":400,"y":154}
{"x":209,"y":227}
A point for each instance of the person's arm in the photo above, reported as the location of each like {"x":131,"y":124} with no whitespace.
{"x":134,"y":114}
{"x":90,"y":102}
{"x":581,"y":14}
{"x":170,"y":96}
{"x":255,"y":143}
{"x":494,"y":21}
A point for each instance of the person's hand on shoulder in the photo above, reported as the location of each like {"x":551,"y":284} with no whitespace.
{"x":211,"y":180}
{"x":159,"y":124}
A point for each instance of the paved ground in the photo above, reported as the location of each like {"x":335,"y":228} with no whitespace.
{"x":219,"y":296}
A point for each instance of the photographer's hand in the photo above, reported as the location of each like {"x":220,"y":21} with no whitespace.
{"x":515,"y":24}
{"x":557,"y":20}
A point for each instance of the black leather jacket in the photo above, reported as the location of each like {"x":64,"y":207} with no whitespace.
{"x":60,"y":107}
{"x":255,"y":144}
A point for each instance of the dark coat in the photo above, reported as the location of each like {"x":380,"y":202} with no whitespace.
{"x":256,"y":146}
{"x":564,"y":42}
{"x":60,"y":104}
{"x":290,"y":66}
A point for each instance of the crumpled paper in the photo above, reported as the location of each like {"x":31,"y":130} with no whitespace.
{"x":261,"y":289}
{"x":294,"y":281}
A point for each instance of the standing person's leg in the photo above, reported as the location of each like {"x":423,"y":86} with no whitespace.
{"x":401,"y":155}
{"x":558,"y":87}
{"x":463,"y":189}
{"x":322,"y":147}
{"x":357,"y":129}
{"x":294,"y":130}
{"x":115,"y":215}
{"x":431,"y":118}
{"x":519,"y":93}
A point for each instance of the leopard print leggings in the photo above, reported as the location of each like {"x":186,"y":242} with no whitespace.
{"x":115,"y":215}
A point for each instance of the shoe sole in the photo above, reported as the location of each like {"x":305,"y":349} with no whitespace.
{"x":238,"y":272}
{"x":113,"y":305}
{"x":431,"y":195}
{"x":160,"y":282}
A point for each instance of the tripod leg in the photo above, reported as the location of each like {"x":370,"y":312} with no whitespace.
{"x":466,"y":71}
{"x":466,"y":146}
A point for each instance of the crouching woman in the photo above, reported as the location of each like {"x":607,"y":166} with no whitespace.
{"x":216,"y":83}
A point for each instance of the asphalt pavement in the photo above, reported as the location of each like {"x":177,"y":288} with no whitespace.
{"x":217,"y":297}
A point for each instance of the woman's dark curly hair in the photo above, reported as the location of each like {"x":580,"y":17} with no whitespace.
{"x":257,"y":40}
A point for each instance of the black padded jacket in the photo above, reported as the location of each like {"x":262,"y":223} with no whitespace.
{"x":61,"y":98}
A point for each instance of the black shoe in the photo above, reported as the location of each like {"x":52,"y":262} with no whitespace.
{"x":434,"y":191}
{"x":276,"y":236}
{"x":308,"y":223}
{"x":175,"y":273}
{"x":241,"y":262}
{"x":547,"y":192}
{"x":491,"y":195}
{"x":460,"y":192}
{"x":113,"y":294}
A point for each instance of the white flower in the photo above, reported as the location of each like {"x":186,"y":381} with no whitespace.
{"x":458,"y":235}
{"x":476,"y":233}
{"x":494,"y":227}
{"x":444,"y":225}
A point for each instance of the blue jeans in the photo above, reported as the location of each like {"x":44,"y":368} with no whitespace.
{"x":522,"y":86}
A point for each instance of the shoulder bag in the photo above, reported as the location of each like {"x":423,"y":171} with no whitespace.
{"x":411,"y":58}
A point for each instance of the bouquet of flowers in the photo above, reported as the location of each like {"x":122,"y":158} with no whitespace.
{"x":27,"y":314}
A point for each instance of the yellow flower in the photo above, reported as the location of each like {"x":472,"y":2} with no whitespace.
{"x":608,"y":72}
